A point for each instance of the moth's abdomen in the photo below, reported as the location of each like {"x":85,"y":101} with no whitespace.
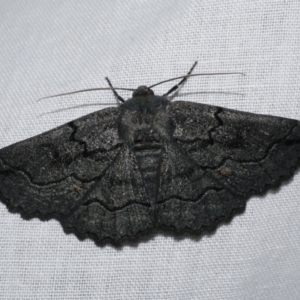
{"x":149,"y":162}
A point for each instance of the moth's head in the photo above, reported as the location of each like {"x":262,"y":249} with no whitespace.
{"x":142,"y":91}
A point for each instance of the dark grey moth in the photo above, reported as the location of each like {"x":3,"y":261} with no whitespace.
{"x":148,"y":164}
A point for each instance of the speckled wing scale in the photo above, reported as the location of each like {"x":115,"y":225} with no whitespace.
{"x":149,"y":163}
{"x":231,"y":155}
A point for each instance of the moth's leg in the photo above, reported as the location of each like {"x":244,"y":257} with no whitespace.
{"x":175,"y":87}
{"x":114,"y":91}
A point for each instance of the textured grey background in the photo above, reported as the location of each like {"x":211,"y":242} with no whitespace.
{"x":48,"y":47}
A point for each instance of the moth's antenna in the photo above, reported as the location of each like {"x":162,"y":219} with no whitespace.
{"x":200,"y":74}
{"x":87,"y":90}
{"x":73,"y":107}
{"x":190,"y":75}
{"x":114,"y":91}
{"x":175,"y":87}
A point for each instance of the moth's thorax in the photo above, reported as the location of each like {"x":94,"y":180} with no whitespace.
{"x":145,"y":121}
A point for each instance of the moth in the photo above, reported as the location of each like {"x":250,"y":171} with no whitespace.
{"x":148,"y":164}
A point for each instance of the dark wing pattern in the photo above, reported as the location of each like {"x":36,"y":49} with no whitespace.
{"x":116,"y":206}
{"x":222,"y":157}
{"x":95,"y":183}
{"x":61,"y":173}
